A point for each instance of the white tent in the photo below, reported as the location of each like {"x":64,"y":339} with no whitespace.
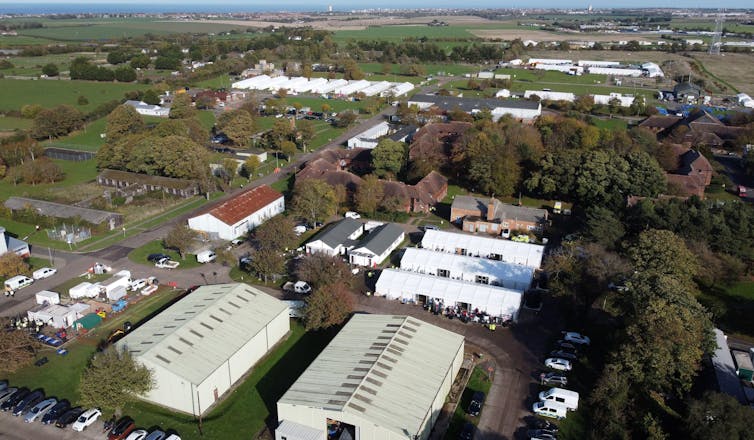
{"x":352,"y":87}
{"x":409,"y":286}
{"x":250,"y":83}
{"x":509,"y":251}
{"x":377,"y":88}
{"x":47,"y":297}
{"x":398,"y":89}
{"x":471,"y":269}
{"x":84,"y":290}
{"x":330,"y":86}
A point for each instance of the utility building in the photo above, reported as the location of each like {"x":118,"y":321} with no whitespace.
{"x":203,"y":344}
{"x":381,"y":378}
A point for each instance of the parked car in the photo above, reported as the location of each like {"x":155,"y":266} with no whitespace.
{"x":576,"y":338}
{"x":558,"y":364}
{"x":206,"y":256}
{"x":542,"y":434}
{"x":7,"y":394}
{"x":565,"y":345}
{"x":156,"y":257}
{"x":121,"y":429}
{"x":237,"y":242}
{"x":173,"y":437}
{"x":3,"y":385}
{"x":430,"y":228}
{"x":86,"y":419}
{"x":468,"y":431}
{"x":553,"y":379}
{"x":69,"y":417}
{"x":39,"y":410}
{"x":139,"y":434}
{"x":156,"y":435}
{"x":56,"y":411}
{"x":564,"y":354}
{"x":28,"y":402}
{"x":544,"y":424}
{"x":44,"y":272}
{"x":16,"y":397}
{"x":137,"y":284}
{"x":477,"y":401}
{"x":352,"y":214}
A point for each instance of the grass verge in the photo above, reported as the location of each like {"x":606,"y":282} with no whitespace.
{"x":139,"y":255}
{"x":479,"y":381}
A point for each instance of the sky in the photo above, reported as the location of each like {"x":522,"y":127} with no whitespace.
{"x":358,"y":4}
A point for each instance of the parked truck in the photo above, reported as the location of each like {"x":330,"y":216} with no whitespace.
{"x":301,"y":287}
{"x":166,"y":263}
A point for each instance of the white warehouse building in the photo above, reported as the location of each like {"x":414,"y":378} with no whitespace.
{"x":470,"y":269}
{"x":239,"y":214}
{"x":370,"y":137}
{"x":615,"y":71}
{"x":199,"y":347}
{"x":420,"y":288}
{"x":625,"y":101}
{"x":526,"y":254}
{"x":550,"y":96}
{"x":382,"y":377}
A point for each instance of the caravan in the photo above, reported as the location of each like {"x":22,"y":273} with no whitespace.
{"x":567,"y":398}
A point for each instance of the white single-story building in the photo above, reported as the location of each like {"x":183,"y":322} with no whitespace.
{"x":336,"y":239}
{"x":625,"y":101}
{"x":10,"y":244}
{"x":420,"y":288}
{"x":370,"y":137}
{"x":377,"y":245}
{"x":527,"y":254}
{"x":470,"y":269}
{"x":54,"y":315}
{"x":239,"y":214}
{"x":143,"y":108}
{"x":199,"y":347}
{"x":381,"y":378}
{"x":550,"y":96}
{"x":516,"y":108}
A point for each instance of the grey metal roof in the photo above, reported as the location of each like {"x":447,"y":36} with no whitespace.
{"x":59,"y":210}
{"x":381,"y":238}
{"x":725,"y":370}
{"x":386,"y":369}
{"x":469,"y":104}
{"x":338,"y":233}
{"x":196,"y":335}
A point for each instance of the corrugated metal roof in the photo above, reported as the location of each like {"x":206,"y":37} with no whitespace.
{"x":338,"y":233}
{"x":386,"y":369}
{"x":244,"y":204}
{"x":381,"y":238}
{"x":298,"y":432}
{"x":194,"y":336}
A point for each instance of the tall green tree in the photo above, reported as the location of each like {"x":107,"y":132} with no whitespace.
{"x":369,"y":194}
{"x":664,"y":253}
{"x":389,"y":157}
{"x":181,"y":239}
{"x":238,"y":125}
{"x":267,"y":263}
{"x":718,"y":416}
{"x":113,"y":379}
{"x":182,"y":108}
{"x":314,"y":200}
{"x":122,"y":121}
{"x":276,"y":234}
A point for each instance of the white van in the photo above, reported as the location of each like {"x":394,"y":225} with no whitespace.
{"x":568,"y":398}
{"x":206,"y":257}
{"x":550,"y":409}
{"x":17,"y":282}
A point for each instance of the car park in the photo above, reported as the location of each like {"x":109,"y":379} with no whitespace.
{"x":564,"y":354}
{"x":69,"y":417}
{"x":56,"y":411}
{"x":44,"y":272}
{"x":468,"y":431}
{"x":576,"y":338}
{"x":7,"y":394}
{"x":558,"y":364}
{"x":86,"y":419}
{"x":16,"y":397}
{"x":39,"y":410}
{"x":28,"y":402}
{"x":550,"y":409}
{"x":477,"y":402}
{"x":121,"y":429}
{"x":139,"y":434}
{"x":156,"y":435}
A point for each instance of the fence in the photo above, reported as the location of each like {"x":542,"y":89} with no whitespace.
{"x":67,"y":154}
{"x":69,"y":234}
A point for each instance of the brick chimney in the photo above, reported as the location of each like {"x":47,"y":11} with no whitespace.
{"x":491,"y":210}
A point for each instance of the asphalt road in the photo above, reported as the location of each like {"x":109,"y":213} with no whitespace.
{"x":14,"y":428}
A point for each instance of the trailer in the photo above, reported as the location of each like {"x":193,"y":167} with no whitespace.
{"x":745,"y":369}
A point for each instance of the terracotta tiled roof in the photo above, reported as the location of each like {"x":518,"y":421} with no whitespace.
{"x":661,"y":122}
{"x":687,"y":185}
{"x":243,"y":205}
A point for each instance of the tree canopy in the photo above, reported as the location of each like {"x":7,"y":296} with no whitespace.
{"x":114,"y":379}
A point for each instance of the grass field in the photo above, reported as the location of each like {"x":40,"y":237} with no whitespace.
{"x":75,"y":173}
{"x":139,"y":255}
{"x":398,"y":33}
{"x":610,"y":124}
{"x":105,"y":30}
{"x":336,"y":105}
{"x":10,"y":123}
{"x":732,"y":307}
{"x":432,"y":69}
{"x":222,"y":81}
{"x":33,"y":65}
{"x":21,"y":40}
{"x":479,"y":381}
{"x":88,"y":139}
{"x":49,"y":93}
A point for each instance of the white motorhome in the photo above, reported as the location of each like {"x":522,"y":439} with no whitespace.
{"x":567,"y":398}
{"x":206,"y":257}
{"x":17,"y":282}
{"x":550,"y":409}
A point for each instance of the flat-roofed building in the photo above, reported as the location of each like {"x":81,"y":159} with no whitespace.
{"x":382,"y":377}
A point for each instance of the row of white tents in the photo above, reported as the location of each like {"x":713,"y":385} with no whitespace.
{"x":323,"y":86}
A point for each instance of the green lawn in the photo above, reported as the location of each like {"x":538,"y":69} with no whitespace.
{"x":32,"y":66}
{"x":610,"y":124}
{"x":336,"y":105}
{"x":49,"y":93}
{"x":218,"y":82}
{"x":10,"y":123}
{"x":432,"y":69}
{"x":732,"y":307}
{"x":87,"y":139}
{"x":22,"y":40}
{"x":479,"y":381}
{"x":79,"y":30}
{"x":139,"y":255}
{"x":75,"y":173}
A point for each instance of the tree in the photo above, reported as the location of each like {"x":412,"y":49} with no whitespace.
{"x":140,"y":61}
{"x":125,"y":74}
{"x":280,"y":132}
{"x":251,"y":165}
{"x":345,"y":119}
{"x":604,"y":227}
{"x":11,"y":265}
{"x":180,"y":238}
{"x":151,"y":97}
{"x":369,"y":194}
{"x":662,"y":252}
{"x":181,"y":107}
{"x":17,"y":347}
{"x":319,"y":270}
{"x":314,"y":200}
{"x":50,"y":69}
{"x":718,"y":416}
{"x":41,"y":170}
{"x":57,"y":122}
{"x":328,"y":306}
{"x":122,"y":121}
{"x":229,"y":169}
{"x":30,"y":111}
{"x":288,"y":148}
{"x":276,"y":234}
{"x":267,"y":263}
{"x":389,"y":158}
{"x":352,"y":71}
{"x":113,"y":379}
{"x":306,"y":131}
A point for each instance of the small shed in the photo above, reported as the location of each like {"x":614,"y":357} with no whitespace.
{"x":47,"y":297}
{"x":87,"y":322}
{"x":84,"y":290}
{"x":115,"y":288}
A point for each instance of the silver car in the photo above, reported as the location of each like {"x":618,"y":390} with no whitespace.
{"x":39,"y":410}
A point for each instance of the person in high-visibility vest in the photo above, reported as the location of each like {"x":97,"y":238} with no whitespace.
{"x":492,"y":327}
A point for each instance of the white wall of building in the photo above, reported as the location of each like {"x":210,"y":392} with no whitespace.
{"x":211,"y":224}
